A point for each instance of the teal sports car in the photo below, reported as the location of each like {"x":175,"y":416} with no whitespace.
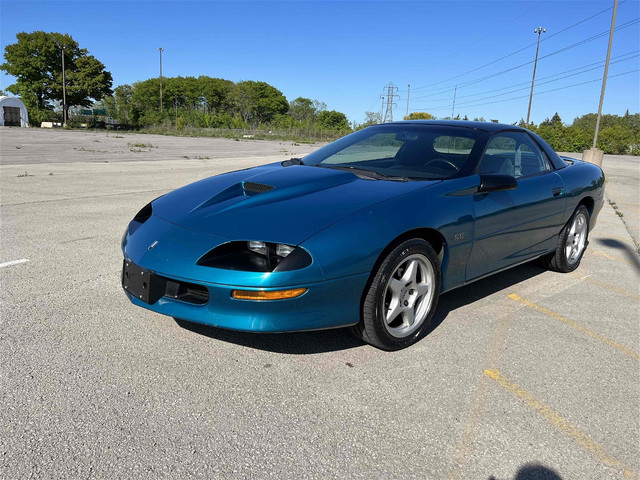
{"x":365,"y":232}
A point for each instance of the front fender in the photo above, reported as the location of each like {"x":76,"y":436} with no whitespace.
{"x":352,"y":245}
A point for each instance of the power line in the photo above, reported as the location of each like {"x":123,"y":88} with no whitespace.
{"x":538,"y":93}
{"x":573,"y":45}
{"x":515,"y":52}
{"x":537,"y":7}
{"x":567,"y":73}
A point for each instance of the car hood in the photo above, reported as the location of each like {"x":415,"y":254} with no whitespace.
{"x":274,"y":203}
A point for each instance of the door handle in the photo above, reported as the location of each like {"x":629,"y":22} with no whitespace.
{"x":557,"y":191}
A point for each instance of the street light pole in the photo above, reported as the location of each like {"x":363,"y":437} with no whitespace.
{"x":64,"y":91}
{"x":160,"y":49}
{"x":539,"y":31}
{"x":606,"y":70}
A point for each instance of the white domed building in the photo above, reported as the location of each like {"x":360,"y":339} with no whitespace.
{"x":13,"y":113}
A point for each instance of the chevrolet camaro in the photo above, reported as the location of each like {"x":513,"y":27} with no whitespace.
{"x":365,"y":232}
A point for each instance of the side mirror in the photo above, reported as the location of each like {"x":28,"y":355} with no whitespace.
{"x":495,"y":182}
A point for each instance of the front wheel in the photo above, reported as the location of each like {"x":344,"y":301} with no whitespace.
{"x":402,"y":297}
{"x":572,"y":243}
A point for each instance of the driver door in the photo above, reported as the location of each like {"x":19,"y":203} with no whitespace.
{"x":515,"y":225}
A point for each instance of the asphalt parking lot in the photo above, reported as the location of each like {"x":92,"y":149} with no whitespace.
{"x":528,"y":374}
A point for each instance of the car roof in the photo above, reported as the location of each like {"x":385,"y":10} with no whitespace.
{"x":490,"y":127}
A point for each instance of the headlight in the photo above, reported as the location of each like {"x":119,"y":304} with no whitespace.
{"x":258,"y":247}
{"x":283,"y":250}
{"x":256,"y":256}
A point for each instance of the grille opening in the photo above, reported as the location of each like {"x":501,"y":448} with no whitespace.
{"x":186,"y":292}
{"x":253,"y":188}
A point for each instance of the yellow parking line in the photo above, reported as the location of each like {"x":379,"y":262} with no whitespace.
{"x":612,"y":257}
{"x":617,"y":223}
{"x":590,"y":279}
{"x":464,"y":448}
{"x":556,"y":316}
{"x":561,"y":423}
{"x":628,"y":205}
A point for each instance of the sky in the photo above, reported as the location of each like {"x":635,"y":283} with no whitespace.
{"x":344,"y":53}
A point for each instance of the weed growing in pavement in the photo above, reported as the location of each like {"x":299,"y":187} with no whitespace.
{"x":82,"y":149}
{"x":26,"y":174}
{"x":614,"y":205}
{"x":141,"y":145}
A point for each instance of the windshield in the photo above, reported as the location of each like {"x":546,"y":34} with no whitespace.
{"x":416,"y":152}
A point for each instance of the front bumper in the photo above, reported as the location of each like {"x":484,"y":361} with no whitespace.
{"x":329,"y":304}
{"x":171,"y":252}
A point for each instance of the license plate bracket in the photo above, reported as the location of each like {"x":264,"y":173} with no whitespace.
{"x":142,"y":283}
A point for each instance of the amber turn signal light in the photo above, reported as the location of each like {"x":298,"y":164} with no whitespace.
{"x":267,"y":295}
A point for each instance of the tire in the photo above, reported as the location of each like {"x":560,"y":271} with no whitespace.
{"x":572,"y":243}
{"x":401,"y":297}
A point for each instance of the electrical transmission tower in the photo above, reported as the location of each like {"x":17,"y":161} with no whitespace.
{"x":391,"y":97}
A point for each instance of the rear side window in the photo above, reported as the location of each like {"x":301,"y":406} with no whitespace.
{"x":515,"y":154}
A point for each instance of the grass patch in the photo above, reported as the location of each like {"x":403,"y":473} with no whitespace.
{"x":25,"y":174}
{"x":298,"y":136}
{"x":140,"y":145}
{"x":614,"y":205}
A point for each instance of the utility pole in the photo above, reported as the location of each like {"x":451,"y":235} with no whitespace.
{"x":539,"y":31}
{"x":454,"y":101}
{"x":408,"y":94}
{"x":606,"y":70}
{"x":382,"y":108}
{"x":594,"y":155}
{"x":160,"y":49}
{"x":390,"y":101}
{"x":64,"y":90}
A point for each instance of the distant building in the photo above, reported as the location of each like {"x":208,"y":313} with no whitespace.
{"x":13,"y":113}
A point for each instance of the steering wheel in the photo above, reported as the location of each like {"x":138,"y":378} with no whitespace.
{"x":441,"y":161}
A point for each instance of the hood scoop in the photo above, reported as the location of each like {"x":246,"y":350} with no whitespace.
{"x":252,"y":188}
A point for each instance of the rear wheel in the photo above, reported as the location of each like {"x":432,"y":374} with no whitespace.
{"x":572,"y":243}
{"x":402,"y":297}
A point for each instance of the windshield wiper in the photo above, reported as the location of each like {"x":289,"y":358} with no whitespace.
{"x":362,"y":172}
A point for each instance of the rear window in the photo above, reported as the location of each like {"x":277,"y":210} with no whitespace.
{"x":459,"y":145}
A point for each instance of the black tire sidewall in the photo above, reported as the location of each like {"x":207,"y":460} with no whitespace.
{"x":374,"y":330}
{"x":564,"y":263}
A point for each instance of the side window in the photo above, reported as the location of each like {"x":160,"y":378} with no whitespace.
{"x":515,"y":154}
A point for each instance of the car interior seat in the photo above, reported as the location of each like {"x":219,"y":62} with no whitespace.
{"x":413,"y":153}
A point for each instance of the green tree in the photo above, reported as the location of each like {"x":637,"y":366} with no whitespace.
{"x":305,"y":110}
{"x":333,"y":120}
{"x":419,"y":116}
{"x":119,"y":104}
{"x":258,"y":102}
{"x":615,"y":140}
{"x":35,"y":60}
{"x":215,"y":92}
